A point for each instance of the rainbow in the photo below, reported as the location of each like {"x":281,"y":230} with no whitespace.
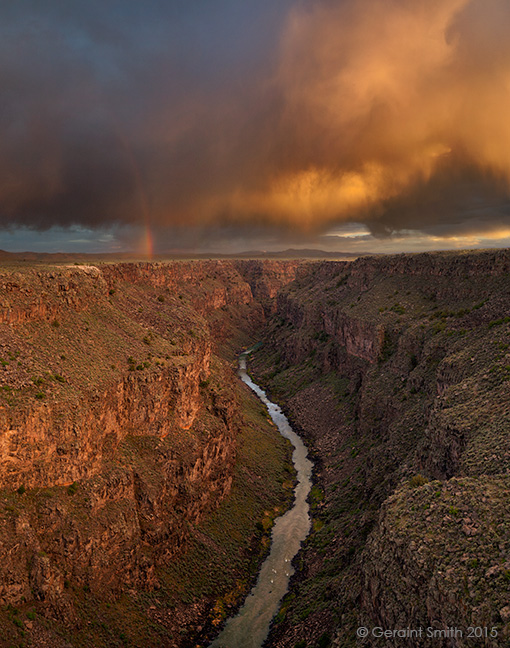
{"x":146,"y":247}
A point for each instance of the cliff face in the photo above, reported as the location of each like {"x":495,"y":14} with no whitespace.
{"x":118,"y":420}
{"x":40,"y":295}
{"x":132,"y":334}
{"x":396,"y":371}
{"x":450,"y":556}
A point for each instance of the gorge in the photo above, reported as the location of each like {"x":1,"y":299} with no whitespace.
{"x":140,"y":480}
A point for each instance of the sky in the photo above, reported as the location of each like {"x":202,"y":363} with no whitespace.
{"x":349,"y":125}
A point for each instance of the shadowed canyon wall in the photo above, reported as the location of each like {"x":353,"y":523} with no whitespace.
{"x":396,"y":370}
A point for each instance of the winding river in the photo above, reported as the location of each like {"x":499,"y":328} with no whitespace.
{"x":250,"y":627}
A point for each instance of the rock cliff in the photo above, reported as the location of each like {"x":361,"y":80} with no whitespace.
{"x":133,"y":467}
{"x":396,"y":371}
{"x":119,"y":425}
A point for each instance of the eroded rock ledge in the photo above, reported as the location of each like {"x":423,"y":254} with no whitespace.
{"x":118,"y":418}
{"x":396,"y":369}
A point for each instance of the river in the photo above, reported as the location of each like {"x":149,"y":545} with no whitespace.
{"x":250,"y":627}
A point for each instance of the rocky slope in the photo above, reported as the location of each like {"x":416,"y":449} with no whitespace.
{"x":139,"y":481}
{"x":397,"y":371}
{"x":120,"y":427}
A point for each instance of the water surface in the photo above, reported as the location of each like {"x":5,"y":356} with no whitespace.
{"x":250,"y":627}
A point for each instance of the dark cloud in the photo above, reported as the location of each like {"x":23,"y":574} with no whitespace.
{"x":110,"y":110}
{"x":227,"y":116}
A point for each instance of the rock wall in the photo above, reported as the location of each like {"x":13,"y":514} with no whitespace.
{"x":118,"y":419}
{"x":396,"y":371}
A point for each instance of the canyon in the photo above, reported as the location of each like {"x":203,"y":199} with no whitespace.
{"x":123,"y":430}
{"x":140,"y":479}
{"x":395,"y":372}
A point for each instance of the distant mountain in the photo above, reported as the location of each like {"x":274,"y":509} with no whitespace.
{"x":293,"y":253}
{"x":70,"y":257}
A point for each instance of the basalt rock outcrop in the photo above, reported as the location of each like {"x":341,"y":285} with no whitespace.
{"x":119,"y":420}
{"x":396,"y":370}
{"x":120,"y":423}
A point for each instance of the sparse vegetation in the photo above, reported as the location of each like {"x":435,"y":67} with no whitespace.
{"x":73,"y":488}
{"x":418,"y":480}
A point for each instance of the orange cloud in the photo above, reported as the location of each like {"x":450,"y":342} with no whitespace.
{"x":393,"y":113}
{"x":378,"y":97}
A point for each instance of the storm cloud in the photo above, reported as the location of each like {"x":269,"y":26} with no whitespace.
{"x":393,"y":113}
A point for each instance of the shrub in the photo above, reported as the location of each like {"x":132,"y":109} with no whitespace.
{"x":418,"y":480}
{"x":386,"y":347}
{"x":498,"y":322}
{"x":72,"y":488}
{"x":21,"y":489}
{"x":324,"y":641}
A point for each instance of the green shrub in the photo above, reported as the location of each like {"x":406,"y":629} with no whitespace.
{"x":418,"y":480}
{"x":324,"y":641}
{"x":72,"y":488}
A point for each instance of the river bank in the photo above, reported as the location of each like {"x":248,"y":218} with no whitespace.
{"x":250,"y":627}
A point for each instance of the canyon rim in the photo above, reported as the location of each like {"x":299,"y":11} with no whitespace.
{"x":140,"y":479}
